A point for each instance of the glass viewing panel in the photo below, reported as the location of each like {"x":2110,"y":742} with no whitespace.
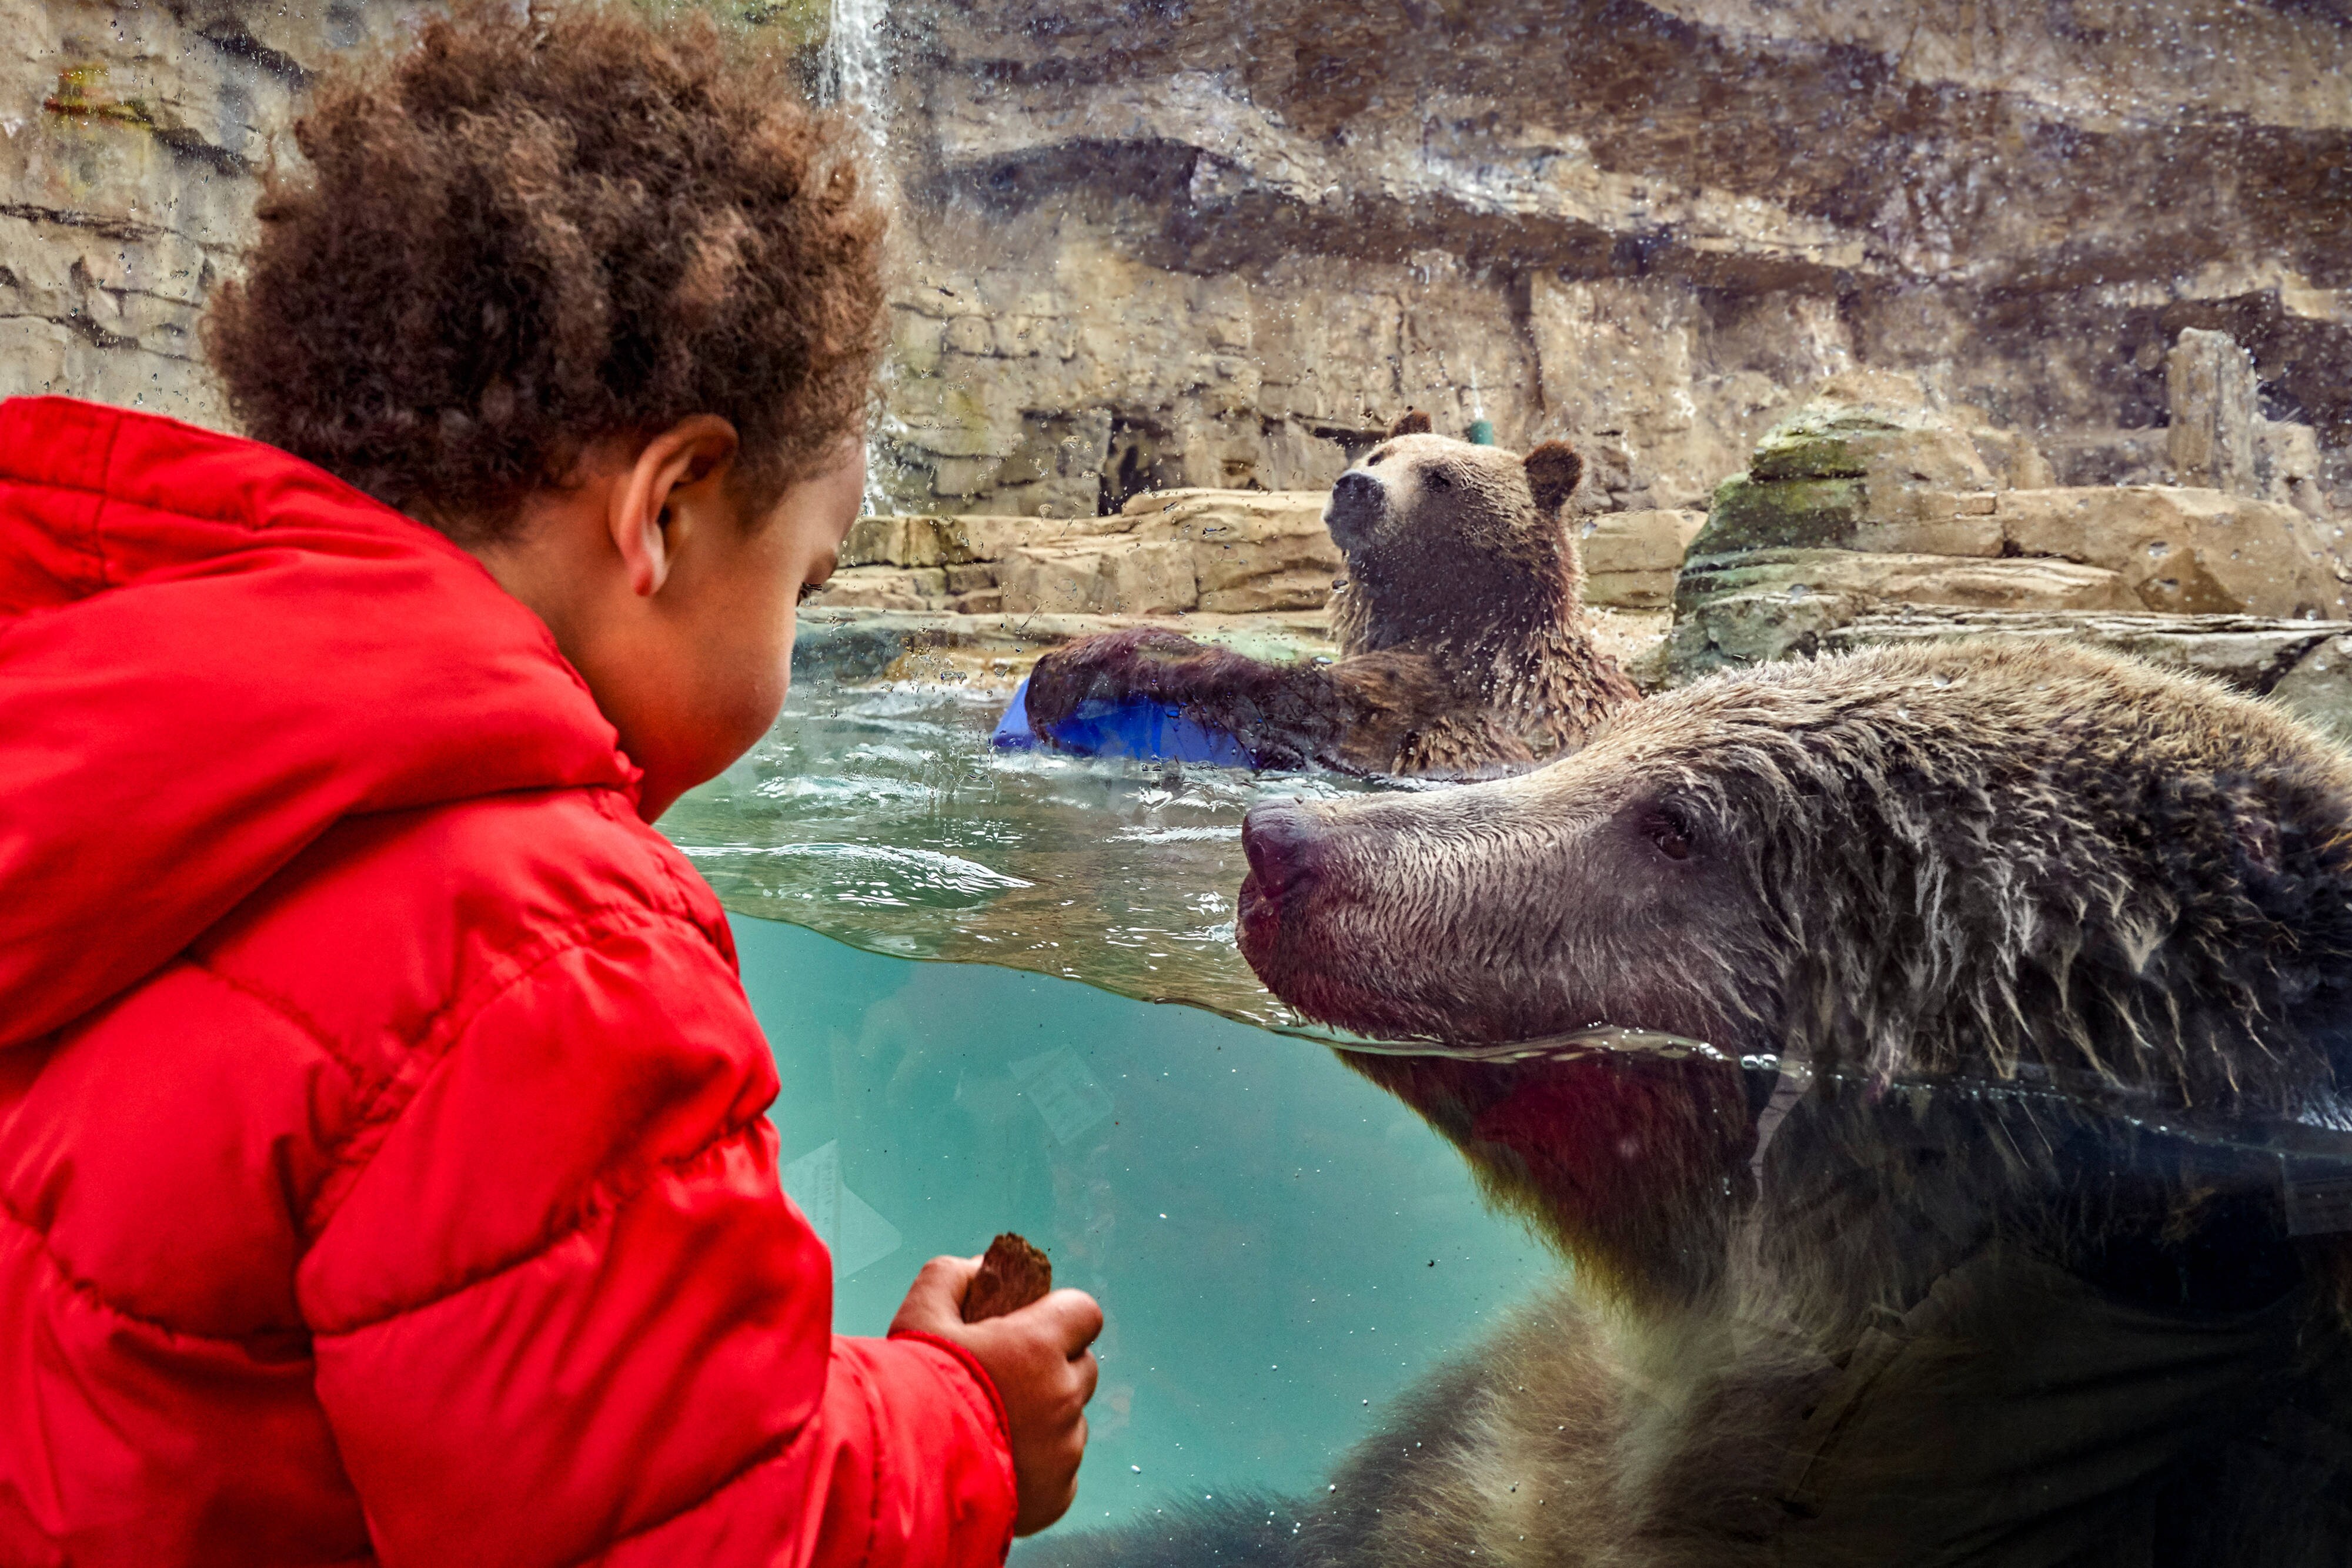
{"x":1757,"y":593}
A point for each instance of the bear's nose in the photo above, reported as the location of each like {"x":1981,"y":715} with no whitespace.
{"x":1355,"y":505}
{"x":1284,"y":844}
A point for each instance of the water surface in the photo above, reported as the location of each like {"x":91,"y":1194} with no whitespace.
{"x":882,"y":815}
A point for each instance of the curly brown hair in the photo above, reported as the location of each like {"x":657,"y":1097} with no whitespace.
{"x":526,"y":233}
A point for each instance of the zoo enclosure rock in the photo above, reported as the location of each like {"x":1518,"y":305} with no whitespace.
{"x":2306,"y":666}
{"x":1245,"y":552}
{"x":1170,"y":552}
{"x":1853,"y":525}
{"x":132,"y":142}
{"x":1220,"y":244}
{"x":1631,"y":558}
{"x":2192,"y":551}
{"x":2217,"y":435}
{"x":1222,"y":551}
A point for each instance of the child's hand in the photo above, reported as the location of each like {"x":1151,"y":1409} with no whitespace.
{"x":1038,"y":1359}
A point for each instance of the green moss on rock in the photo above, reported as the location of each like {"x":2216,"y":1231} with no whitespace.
{"x":1786,"y":514}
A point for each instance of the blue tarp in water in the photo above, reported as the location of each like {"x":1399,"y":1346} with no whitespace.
{"x":1135,"y":726}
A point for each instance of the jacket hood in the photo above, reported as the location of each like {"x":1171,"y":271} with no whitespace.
{"x":211,"y":652}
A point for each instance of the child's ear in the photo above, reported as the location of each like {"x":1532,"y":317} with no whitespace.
{"x":1553,"y":470}
{"x":689,"y":460}
{"x":1411,"y":421}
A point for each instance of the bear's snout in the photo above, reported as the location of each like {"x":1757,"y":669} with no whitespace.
{"x":1283,"y":843}
{"x":1355,"y":505}
{"x":1285,"y":850}
{"x":1286,"y":847}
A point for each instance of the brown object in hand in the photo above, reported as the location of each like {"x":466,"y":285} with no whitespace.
{"x":1012,"y":1275}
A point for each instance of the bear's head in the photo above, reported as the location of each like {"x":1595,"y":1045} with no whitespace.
{"x":2004,"y":868}
{"x":1446,"y":541}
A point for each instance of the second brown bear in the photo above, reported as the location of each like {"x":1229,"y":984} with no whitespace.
{"x":1465,"y":648}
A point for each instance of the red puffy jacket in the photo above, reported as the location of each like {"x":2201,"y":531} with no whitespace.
{"x":383,"y":1173}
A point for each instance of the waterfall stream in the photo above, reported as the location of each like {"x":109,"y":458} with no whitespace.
{"x":859,"y":80}
{"x":858,"y":68}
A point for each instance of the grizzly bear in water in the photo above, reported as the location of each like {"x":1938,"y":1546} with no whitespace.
{"x":1462,"y":629}
{"x":2002,"y":1219}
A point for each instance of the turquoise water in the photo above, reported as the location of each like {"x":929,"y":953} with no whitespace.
{"x":1278,"y":1245}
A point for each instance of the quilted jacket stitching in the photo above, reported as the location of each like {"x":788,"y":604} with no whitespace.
{"x":97,"y":1296}
{"x":161,"y":508}
{"x":768,"y":1453}
{"x":380,"y":1108}
{"x":96,"y":544}
{"x":286,"y":1009}
{"x":600,"y":1201}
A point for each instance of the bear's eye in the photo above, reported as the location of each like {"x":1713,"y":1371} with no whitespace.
{"x":1439,"y":480}
{"x":1670,"y":832}
{"x":1375,"y":460}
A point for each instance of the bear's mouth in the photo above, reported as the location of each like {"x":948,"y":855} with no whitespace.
{"x":1314,"y":989}
{"x":1307,"y":921}
{"x":1276,"y":930}
{"x":1257,"y":920}
{"x":1281,"y":935}
{"x":1283,"y":924}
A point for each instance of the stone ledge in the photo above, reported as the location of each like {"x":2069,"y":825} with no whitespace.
{"x":1855,"y":508}
{"x":1168,"y":553}
{"x":862,"y":645}
{"x":996,"y":649}
{"x":1630,"y":558}
{"x":1186,"y":551}
{"x":2304,"y":665}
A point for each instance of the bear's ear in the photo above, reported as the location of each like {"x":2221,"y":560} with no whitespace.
{"x":1411,"y":421}
{"x":1553,"y":470}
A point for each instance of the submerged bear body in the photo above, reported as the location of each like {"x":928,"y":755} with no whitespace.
{"x":1996,"y":1021}
{"x":1464,"y":645}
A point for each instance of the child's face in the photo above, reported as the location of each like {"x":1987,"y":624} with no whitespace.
{"x":671,"y":598}
{"x":712,"y":657}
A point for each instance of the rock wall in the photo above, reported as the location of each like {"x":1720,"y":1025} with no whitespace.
{"x":1239,"y":236}
{"x":1864,"y":503}
{"x":1219,"y":243}
{"x":131,"y":139}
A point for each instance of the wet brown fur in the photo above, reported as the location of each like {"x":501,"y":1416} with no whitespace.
{"x":1465,"y":648}
{"x":1970,"y":1263}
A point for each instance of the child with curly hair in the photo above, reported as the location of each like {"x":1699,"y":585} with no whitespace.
{"x":384,"y":1172}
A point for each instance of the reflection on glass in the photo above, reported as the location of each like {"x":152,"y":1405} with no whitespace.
{"x":2004,"y":1216}
{"x":1282,"y":1249}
